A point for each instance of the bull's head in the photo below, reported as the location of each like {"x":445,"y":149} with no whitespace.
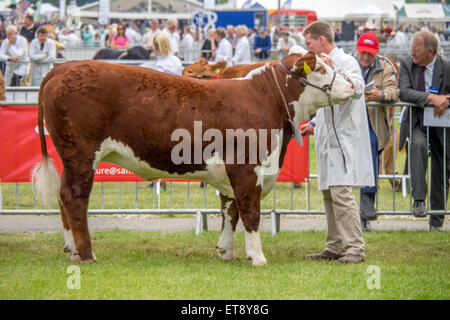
{"x":323,"y":86}
{"x":203,"y":70}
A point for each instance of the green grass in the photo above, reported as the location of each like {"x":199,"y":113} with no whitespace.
{"x":151,"y":265}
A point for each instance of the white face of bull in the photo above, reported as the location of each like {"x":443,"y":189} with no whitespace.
{"x":313,"y":98}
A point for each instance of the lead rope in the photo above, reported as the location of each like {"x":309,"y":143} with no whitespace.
{"x":281,"y":93}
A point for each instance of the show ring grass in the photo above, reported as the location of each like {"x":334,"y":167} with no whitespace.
{"x":153,"y":265}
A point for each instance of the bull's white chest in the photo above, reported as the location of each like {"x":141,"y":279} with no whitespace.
{"x":118,"y":153}
{"x":267,"y":172}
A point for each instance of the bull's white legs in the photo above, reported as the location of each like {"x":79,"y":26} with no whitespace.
{"x":253,"y":248}
{"x":226,"y":241}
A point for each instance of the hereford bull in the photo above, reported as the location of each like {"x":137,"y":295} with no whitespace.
{"x":131,"y":116}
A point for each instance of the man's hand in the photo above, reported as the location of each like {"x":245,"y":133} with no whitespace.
{"x":326,"y":59}
{"x":440,"y":103}
{"x":258,"y":50}
{"x":306,"y":129}
{"x":14,"y":58}
{"x":373,"y":95}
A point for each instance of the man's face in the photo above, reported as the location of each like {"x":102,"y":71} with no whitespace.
{"x":154,"y":25}
{"x":365,"y":59}
{"x":42,"y":37}
{"x":12,"y":36}
{"x":314,"y":45}
{"x":27,"y":22}
{"x":421,"y":56}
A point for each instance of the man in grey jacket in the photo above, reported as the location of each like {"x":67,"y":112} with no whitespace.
{"x":425,"y":79}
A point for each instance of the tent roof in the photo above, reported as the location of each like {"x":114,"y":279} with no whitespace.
{"x":332,"y":9}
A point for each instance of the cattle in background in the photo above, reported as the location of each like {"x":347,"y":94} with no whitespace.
{"x":135,"y":53}
{"x":219,"y":70}
{"x":97,"y":111}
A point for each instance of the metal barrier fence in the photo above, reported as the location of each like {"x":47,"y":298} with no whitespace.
{"x":29,"y":96}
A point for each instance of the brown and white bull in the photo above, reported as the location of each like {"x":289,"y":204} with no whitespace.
{"x":132,"y":116}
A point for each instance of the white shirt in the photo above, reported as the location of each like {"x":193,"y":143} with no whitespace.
{"x":42,"y":64}
{"x":169,"y":64}
{"x":429,"y":74}
{"x":135,"y":38}
{"x":224,"y":51}
{"x":148,"y":37}
{"x":19,"y":48}
{"x":281,"y":44}
{"x":242,"y":53}
{"x":173,"y":41}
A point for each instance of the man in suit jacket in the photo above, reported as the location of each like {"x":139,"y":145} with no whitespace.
{"x":425,"y":79}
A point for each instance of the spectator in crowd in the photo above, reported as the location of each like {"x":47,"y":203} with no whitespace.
{"x":224,"y":50}
{"x":425,"y":79}
{"x":88,"y":37}
{"x":165,"y":61}
{"x":14,"y":51}
{"x":187,"y":44}
{"x":342,"y":150}
{"x":42,"y":56}
{"x":131,"y":31}
{"x":262,"y":45}
{"x":385,"y":90}
{"x":337,"y":35}
{"x":28,"y":30}
{"x":171,"y":31}
{"x":231,"y":37}
{"x":209,"y":45}
{"x":298,"y":36}
{"x":251,"y":35}
{"x":120,"y":41}
{"x":69,"y":39}
{"x":2,"y":88}
{"x":242,"y":52}
{"x":399,"y":40}
{"x":150,"y":34}
{"x":285,"y":43}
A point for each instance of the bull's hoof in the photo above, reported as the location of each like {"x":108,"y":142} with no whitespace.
{"x":257,"y":262}
{"x":75,"y":257}
{"x":67,"y":249}
{"x":226,"y":255}
{"x":89,"y":261}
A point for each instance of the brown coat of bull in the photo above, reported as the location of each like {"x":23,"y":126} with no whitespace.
{"x":97,"y":111}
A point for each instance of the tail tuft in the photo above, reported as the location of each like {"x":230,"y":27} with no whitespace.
{"x":46,"y":181}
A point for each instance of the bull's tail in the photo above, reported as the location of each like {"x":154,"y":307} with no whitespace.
{"x":45,"y":177}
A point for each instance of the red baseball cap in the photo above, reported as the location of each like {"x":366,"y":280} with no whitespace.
{"x":368,"y":42}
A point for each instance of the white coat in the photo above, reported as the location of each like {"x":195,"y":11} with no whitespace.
{"x":41,"y":64}
{"x":19,"y":48}
{"x":242,"y":53}
{"x":224,"y":51}
{"x":352,"y":131}
{"x":169,"y":64}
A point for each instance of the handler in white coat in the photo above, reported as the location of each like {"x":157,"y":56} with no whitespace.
{"x":42,"y":56}
{"x":14,"y":51}
{"x":343,"y":152}
{"x":242,"y":53}
{"x":224,"y":49}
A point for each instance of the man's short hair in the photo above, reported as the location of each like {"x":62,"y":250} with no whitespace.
{"x":42,"y":30}
{"x":429,"y":40}
{"x":221,"y":32}
{"x":11,"y":28}
{"x":320,"y":28}
{"x":29,"y":17}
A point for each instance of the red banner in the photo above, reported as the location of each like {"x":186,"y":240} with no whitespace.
{"x":20,"y":150}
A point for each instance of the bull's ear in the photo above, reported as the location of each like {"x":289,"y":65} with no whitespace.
{"x":203,"y":61}
{"x":307,"y":63}
{"x":219,"y":66}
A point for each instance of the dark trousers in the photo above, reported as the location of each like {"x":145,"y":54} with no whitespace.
{"x":419,"y":164}
{"x":375,"y":161}
{"x":15,"y":81}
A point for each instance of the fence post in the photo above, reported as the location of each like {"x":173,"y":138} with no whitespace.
{"x":274,"y":222}
{"x":198,"y":223}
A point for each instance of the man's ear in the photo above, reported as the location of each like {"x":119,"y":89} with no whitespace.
{"x":307,"y":63}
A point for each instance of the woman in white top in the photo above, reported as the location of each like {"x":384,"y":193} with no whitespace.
{"x":242,"y":54}
{"x":165,"y":61}
{"x":224,"y":50}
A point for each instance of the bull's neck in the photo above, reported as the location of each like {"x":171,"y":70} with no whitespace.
{"x":279,"y":89}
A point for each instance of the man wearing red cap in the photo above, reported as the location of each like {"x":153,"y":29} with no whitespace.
{"x":385,"y":89}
